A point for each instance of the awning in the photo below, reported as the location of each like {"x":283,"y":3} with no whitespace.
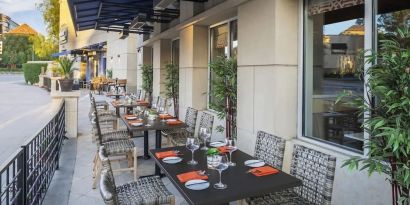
{"x":62,"y":53}
{"x":117,"y":15}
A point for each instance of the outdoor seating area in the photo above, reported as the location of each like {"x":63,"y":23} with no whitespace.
{"x":182,"y":156}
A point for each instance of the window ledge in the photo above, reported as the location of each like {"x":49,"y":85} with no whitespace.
{"x":328,"y":147}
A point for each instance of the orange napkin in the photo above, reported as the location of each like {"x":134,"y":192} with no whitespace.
{"x":165,"y":116}
{"x":127,"y":116}
{"x":223,"y":149}
{"x":263,"y":171}
{"x":135,"y":121}
{"x":161,"y":155}
{"x":174,"y":122}
{"x":190,"y":176}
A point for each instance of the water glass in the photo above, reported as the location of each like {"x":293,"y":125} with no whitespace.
{"x":221,"y":165}
{"x":192,"y":144}
{"x":162,"y":111}
{"x":231,"y":147}
{"x":205,"y":134}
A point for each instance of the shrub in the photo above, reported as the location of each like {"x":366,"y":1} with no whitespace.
{"x":31,"y":72}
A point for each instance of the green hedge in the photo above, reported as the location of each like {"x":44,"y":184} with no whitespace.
{"x":32,"y":71}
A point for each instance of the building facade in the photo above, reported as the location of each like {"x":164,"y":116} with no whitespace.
{"x":293,"y":56}
{"x":6,"y":24}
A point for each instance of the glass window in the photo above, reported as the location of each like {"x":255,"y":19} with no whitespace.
{"x":390,"y":16}
{"x":175,"y":52}
{"x":334,"y":36}
{"x":224,"y":42}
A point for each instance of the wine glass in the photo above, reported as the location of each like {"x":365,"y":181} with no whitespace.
{"x":162,"y":112}
{"x":221,"y":164}
{"x":231,"y":147}
{"x":192,"y":144}
{"x":205,"y":134}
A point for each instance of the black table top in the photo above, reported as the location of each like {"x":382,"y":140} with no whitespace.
{"x":156,"y":124}
{"x":240,"y":184}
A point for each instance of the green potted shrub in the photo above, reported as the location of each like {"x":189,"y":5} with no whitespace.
{"x":66,"y":69}
{"x":147,"y":79}
{"x":385,"y":111}
{"x":224,"y":93}
{"x":172,"y":85}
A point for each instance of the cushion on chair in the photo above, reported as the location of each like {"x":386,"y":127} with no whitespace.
{"x":119,"y":147}
{"x":147,"y":190}
{"x":114,"y":135}
{"x":286,"y":197}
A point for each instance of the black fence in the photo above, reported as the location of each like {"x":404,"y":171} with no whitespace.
{"x":25,"y":177}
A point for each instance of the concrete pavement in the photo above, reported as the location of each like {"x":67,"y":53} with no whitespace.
{"x":24,"y":110}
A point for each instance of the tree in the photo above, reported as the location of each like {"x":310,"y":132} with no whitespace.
{"x":51,"y":15}
{"x":147,"y":79}
{"x":17,"y":49}
{"x":225,"y":93}
{"x":44,"y":47}
{"x":172,"y":85}
{"x":386,"y":114}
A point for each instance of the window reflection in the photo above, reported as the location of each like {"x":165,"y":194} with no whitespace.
{"x":334,"y":38}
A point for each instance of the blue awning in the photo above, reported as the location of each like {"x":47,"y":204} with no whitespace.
{"x":62,"y":53}
{"x":117,"y":15}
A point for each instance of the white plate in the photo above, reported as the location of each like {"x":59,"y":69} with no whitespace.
{"x":137,"y":124}
{"x":197,"y":184}
{"x":217,"y":144}
{"x":254,"y":163}
{"x":172,"y":160}
{"x":131,"y":118}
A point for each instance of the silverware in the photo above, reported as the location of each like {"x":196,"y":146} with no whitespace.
{"x":202,"y":173}
{"x":204,"y":182}
{"x":253,"y":163}
{"x":253,"y":171}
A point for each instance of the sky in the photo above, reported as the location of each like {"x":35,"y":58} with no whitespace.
{"x":24,"y":11}
{"x":337,"y":28}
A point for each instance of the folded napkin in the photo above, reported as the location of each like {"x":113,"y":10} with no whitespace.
{"x":128,"y":116}
{"x":161,"y":155}
{"x":223,"y":149}
{"x":135,"y":121}
{"x":174,"y":122}
{"x":263,"y":171}
{"x":166,"y":116}
{"x":190,"y":176}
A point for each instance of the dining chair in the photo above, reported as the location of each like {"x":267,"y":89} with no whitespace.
{"x":116,"y":143}
{"x":101,"y":104}
{"x":315,"y":169}
{"x":190,"y":120}
{"x":143,"y":191}
{"x":270,"y":149}
{"x":206,"y":121}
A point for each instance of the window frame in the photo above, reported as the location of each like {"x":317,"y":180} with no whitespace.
{"x":370,"y":15}
{"x":228,"y":23}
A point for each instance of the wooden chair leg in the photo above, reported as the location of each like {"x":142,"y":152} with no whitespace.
{"x":135,"y":153}
{"x":172,"y":202}
{"x":98,"y":173}
{"x":95,"y":164}
{"x":129,"y":159}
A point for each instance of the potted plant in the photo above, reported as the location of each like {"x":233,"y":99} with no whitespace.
{"x":147,"y":80}
{"x":385,"y":111}
{"x":224,"y":93}
{"x":66,"y":64}
{"x":172,"y":85}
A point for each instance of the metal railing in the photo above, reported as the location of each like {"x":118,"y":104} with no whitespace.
{"x":25,"y":177}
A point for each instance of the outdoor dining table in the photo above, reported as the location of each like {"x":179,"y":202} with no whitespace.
{"x":116,"y":95}
{"x":117,"y":105}
{"x":240,"y":184}
{"x":156,"y":125}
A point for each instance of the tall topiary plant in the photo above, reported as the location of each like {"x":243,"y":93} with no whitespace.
{"x":147,"y":78}
{"x":224,"y":93}
{"x":386,"y":112}
{"x":172,"y":85}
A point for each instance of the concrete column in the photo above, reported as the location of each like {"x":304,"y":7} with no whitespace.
{"x":122,"y":58}
{"x":193,"y":68}
{"x":161,"y":56}
{"x":71,"y":110}
{"x":267,"y":70}
{"x":53,"y":86}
